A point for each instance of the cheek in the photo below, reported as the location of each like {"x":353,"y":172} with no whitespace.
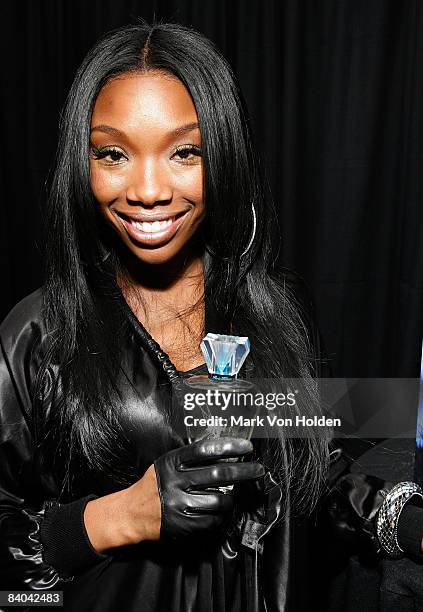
{"x":190,"y":186}
{"x":104,"y":185}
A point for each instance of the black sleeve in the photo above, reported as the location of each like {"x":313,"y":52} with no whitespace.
{"x":66,"y":545}
{"x":410,"y":529}
{"x":350,"y":511}
{"x":41,"y":542}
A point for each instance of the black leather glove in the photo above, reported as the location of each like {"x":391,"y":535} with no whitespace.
{"x":184,"y":475}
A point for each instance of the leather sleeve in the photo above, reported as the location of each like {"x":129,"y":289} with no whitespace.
{"x":36,"y":532}
{"x":348,"y":512}
{"x":21,"y":509}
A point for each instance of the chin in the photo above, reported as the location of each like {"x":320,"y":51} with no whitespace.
{"x":155,"y":259}
{"x":156,"y":256}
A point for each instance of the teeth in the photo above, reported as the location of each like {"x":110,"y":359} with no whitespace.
{"x":156,"y":226}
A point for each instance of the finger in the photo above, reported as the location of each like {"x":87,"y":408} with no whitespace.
{"x":209,"y":503}
{"x":224,"y":473}
{"x":214,"y":448}
{"x":203,"y":523}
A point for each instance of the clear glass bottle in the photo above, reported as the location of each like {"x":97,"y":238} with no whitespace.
{"x":224,"y":356}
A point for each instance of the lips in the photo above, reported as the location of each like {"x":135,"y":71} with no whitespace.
{"x":153,"y":229}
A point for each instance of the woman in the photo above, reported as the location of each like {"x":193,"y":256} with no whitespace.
{"x":158,"y":231}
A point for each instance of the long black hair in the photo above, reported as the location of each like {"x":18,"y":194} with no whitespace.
{"x":82,"y":306}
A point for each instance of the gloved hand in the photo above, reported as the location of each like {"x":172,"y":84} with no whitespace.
{"x":184,"y":475}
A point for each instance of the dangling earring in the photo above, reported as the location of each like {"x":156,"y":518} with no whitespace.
{"x":105,"y":257}
{"x":253,"y":232}
{"x":100,"y":260}
{"x":250,"y":242}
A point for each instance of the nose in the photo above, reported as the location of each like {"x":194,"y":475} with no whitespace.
{"x":149,"y":183}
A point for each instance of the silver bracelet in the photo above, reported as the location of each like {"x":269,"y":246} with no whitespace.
{"x":389,"y":514}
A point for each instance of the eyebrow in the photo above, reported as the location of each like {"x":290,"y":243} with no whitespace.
{"x":108,"y":129}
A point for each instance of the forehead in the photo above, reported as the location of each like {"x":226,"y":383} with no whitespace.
{"x":136,"y":100}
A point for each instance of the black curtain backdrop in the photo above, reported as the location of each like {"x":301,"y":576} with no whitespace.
{"x":334,"y":88}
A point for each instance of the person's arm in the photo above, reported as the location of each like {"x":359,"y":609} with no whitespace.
{"x":351,"y":508}
{"x":125,"y":517}
{"x":349,"y":511}
{"x":34,"y":528}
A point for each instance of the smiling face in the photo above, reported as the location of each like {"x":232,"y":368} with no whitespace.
{"x":145,"y":164}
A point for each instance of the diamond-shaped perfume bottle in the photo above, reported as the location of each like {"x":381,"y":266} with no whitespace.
{"x":224,"y":356}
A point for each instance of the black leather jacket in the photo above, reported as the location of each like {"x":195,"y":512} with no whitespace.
{"x":43,"y":543}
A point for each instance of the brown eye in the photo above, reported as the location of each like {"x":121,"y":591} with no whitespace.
{"x":184,"y":153}
{"x":114,"y":154}
{"x":187,"y":153}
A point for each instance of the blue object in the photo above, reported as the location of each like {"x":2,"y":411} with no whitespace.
{"x":418,"y":456}
{"x":224,"y":355}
